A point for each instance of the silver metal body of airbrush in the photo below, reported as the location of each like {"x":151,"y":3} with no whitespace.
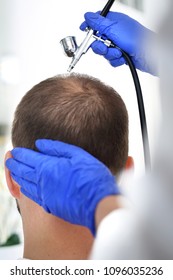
{"x":72,"y":50}
{"x":70,"y":46}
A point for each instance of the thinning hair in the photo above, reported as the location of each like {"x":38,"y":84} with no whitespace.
{"x":76,"y":109}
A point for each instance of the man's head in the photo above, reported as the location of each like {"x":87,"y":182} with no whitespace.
{"x":79,"y":110}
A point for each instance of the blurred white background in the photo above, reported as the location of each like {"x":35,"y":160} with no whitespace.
{"x":30,"y":32}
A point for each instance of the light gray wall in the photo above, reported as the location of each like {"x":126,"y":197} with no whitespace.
{"x":137,"y":4}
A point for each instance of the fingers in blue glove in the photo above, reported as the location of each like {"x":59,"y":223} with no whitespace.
{"x":27,"y":156}
{"x":109,"y":53}
{"x":99,"y":48}
{"x":22,"y":170}
{"x":117,"y":62}
{"x":54,"y":148}
{"x":113,"y":55}
{"x":28,"y":189}
{"x":98,"y":23}
{"x":58,"y":148}
{"x":83,"y":26}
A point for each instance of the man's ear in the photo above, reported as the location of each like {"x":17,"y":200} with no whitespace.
{"x":12,"y":185}
{"x":129,"y":164}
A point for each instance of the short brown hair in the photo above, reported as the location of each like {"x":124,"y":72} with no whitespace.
{"x":76,"y":109}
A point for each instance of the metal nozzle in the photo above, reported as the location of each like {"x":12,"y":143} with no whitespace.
{"x":70,"y":68}
{"x":75,"y":60}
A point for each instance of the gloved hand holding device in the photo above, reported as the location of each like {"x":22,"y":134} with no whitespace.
{"x":124,"y":32}
{"x":65,"y":180}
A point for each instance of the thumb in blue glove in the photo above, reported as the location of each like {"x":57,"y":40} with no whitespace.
{"x":65,"y":180}
{"x":124,"y":32}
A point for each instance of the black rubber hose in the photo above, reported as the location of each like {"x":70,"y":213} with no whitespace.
{"x":141,"y":107}
{"x":107,"y":7}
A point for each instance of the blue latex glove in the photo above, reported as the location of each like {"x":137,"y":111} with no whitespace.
{"x":65,"y":180}
{"x":124,"y":32}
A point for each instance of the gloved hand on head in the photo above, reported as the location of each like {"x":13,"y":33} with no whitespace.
{"x":126,"y":33}
{"x":65,"y":180}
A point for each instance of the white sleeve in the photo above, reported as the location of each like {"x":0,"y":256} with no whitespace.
{"x":118,"y":237}
{"x":109,"y":231}
{"x":144,"y":231}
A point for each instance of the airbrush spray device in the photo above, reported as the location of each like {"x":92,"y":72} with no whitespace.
{"x":71,"y":48}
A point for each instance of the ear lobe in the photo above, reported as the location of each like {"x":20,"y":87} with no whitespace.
{"x":12,"y":185}
{"x":129,"y":164}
